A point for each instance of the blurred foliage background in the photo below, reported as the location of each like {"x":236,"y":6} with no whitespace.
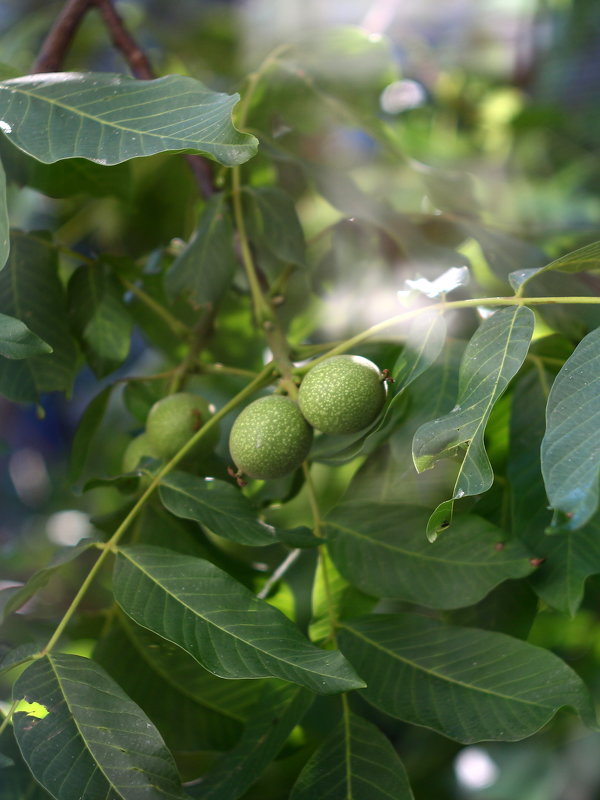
{"x":502,"y":93}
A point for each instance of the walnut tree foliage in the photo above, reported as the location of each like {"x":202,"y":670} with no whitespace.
{"x":297,"y":637}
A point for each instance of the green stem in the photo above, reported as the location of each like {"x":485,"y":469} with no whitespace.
{"x":8,"y":717}
{"x":263,"y":378}
{"x":444,"y":306}
{"x":178,"y":328}
{"x":317,"y":530}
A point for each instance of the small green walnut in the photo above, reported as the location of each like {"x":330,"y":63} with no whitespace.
{"x":138,"y":448}
{"x":174,"y":419}
{"x":270,"y":438}
{"x":342,"y":394}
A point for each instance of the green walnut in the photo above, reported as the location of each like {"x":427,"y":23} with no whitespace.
{"x":137,"y":449}
{"x":342,"y":394}
{"x":270,"y":438}
{"x":173,"y":420}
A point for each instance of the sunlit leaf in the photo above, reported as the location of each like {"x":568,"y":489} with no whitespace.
{"x":217,"y":504}
{"x":355,"y":761}
{"x":571,"y":444}
{"x":334,"y":597}
{"x":215,"y":619}
{"x":279,"y":709}
{"x":92,"y":740}
{"x":111,"y":118}
{"x":492,"y":357}
{"x":203,"y":271}
{"x":467,"y":684}
{"x":17,"y":341}
{"x":585,"y":259}
{"x":382,"y":550}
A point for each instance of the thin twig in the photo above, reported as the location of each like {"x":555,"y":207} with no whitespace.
{"x":279,"y":572}
{"x":57,"y":42}
{"x":56,"y":46}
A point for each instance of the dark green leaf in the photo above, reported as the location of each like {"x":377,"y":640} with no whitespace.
{"x":279,"y":709}
{"x":492,"y":357}
{"x":99,"y":317}
{"x":89,"y":739}
{"x":274,"y":224}
{"x":203,"y":271}
{"x":585,"y":259}
{"x":570,"y":463}
{"x":19,"y":596}
{"x":109,"y":118}
{"x":192,"y":709}
{"x":382,"y":550}
{"x":17,"y":341}
{"x":218,"y":505}
{"x":88,"y":425}
{"x":355,"y":762}
{"x":17,"y":656}
{"x":215,"y":619}
{"x":31,"y":290}
{"x":467,"y":684}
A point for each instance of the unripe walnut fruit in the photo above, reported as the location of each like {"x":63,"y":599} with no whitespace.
{"x":173,"y":420}
{"x":342,"y":394}
{"x":270,"y":438}
{"x":137,"y":449}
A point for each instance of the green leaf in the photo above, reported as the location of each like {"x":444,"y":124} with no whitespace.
{"x":333,"y":596}
{"x":204,"y":270}
{"x":584,"y":259}
{"x":17,"y":596}
{"x":4,"y":222}
{"x":88,"y":425}
{"x":492,"y":357}
{"x":99,"y":317}
{"x":219,"y":622}
{"x":109,"y":118}
{"x":355,"y":762}
{"x":279,"y":709}
{"x":30,"y":290}
{"x":274,"y":224}
{"x":467,"y":684}
{"x":17,"y":656}
{"x":192,"y":709}
{"x":87,"y":738}
{"x":381,"y":549}
{"x":218,"y":505}
{"x":570,"y":463}
{"x":17,"y":341}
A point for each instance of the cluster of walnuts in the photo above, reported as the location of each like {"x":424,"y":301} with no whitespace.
{"x":272,"y":436}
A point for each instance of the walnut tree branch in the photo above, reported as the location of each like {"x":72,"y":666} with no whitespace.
{"x":56,"y":45}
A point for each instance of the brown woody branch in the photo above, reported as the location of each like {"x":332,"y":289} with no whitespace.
{"x":56,"y":45}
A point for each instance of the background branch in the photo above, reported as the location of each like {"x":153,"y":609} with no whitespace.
{"x":56,"y":46}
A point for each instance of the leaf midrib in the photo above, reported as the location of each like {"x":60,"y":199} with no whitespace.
{"x":227,"y":631}
{"x":434,"y":674}
{"x":113,"y":125}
